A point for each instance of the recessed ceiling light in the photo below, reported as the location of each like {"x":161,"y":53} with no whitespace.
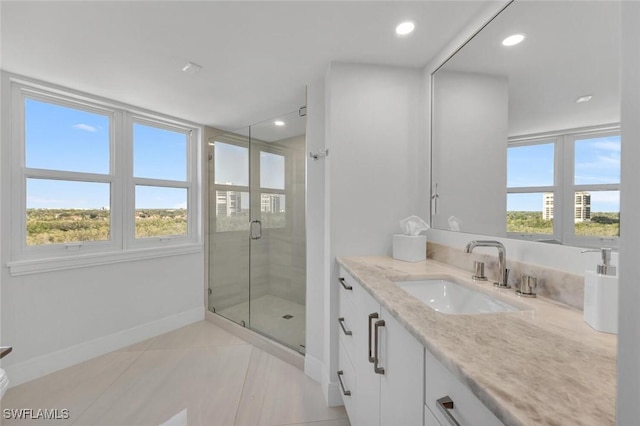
{"x":405,"y":28}
{"x":191,"y":68}
{"x":512,"y":40}
{"x":279,"y":123}
{"x":585,"y":98}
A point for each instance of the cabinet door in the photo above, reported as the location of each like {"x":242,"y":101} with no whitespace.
{"x":467,"y":408}
{"x":401,"y":385}
{"x":368,"y":399}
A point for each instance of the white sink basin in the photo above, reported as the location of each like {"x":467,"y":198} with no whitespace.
{"x":451,"y":298}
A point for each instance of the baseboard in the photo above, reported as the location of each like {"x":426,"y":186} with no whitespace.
{"x":313,"y":368}
{"x":331,"y":391}
{"x":45,"y":364}
{"x":274,"y":348}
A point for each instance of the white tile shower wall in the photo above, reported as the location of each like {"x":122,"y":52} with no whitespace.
{"x":287,"y":249}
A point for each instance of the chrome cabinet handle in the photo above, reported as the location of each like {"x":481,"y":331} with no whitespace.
{"x":344,"y":330}
{"x":5,"y":350}
{"x":259,"y":234}
{"x":371,"y":316}
{"x":445,"y":404}
{"x":344,"y":284}
{"x":376,"y":357}
{"x":344,"y":391}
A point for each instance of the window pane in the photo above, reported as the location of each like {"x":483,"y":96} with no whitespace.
{"x":530,"y":165}
{"x":231,"y":165}
{"x":68,"y":139}
{"x":597,"y":160}
{"x":597,"y":213}
{"x":530,"y":213}
{"x":159,"y":153}
{"x":61,"y":211}
{"x":232,"y":211}
{"x":160,"y":211}
{"x":271,"y":170}
{"x":273,"y":210}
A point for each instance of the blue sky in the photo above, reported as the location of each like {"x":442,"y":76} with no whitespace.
{"x":597,"y":161}
{"x":60,"y":138}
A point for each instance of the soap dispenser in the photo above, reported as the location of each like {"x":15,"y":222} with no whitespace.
{"x":601,"y":294}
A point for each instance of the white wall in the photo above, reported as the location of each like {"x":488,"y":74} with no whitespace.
{"x":469,"y":156}
{"x":57,"y":319}
{"x":628,"y":409}
{"x":374,"y":119}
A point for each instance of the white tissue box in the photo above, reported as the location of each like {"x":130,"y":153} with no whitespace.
{"x":410,"y":248}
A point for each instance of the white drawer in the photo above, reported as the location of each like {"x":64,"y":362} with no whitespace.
{"x":347,"y":379}
{"x":346,"y":324}
{"x":467,"y":408}
{"x":346,"y":283}
{"x":429,"y":418}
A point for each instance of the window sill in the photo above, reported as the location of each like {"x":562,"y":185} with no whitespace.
{"x":39,"y":266}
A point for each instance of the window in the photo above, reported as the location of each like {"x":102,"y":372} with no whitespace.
{"x":67,"y":174}
{"x":91,"y":176}
{"x":565,"y":187}
{"x":160,"y":179}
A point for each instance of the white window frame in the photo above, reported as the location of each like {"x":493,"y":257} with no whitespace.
{"x":564,"y":188}
{"x":188,"y":184}
{"x":122,"y":246}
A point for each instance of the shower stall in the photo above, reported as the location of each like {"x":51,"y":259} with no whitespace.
{"x":257,"y":241}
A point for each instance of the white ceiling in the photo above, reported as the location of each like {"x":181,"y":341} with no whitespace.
{"x":257,"y":56}
{"x":572,"y":49}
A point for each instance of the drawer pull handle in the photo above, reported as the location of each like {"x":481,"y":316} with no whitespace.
{"x":376,"y":357}
{"x":344,"y":391}
{"x":371,"y":316}
{"x":344,"y":330}
{"x":344,"y":284}
{"x":445,"y":404}
{"x":5,"y":350}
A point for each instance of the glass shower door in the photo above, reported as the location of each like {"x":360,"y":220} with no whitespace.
{"x":229,"y":213}
{"x":257,"y":240}
{"x":278,"y":240}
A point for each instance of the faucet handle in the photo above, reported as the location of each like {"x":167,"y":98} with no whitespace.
{"x":505,"y":279}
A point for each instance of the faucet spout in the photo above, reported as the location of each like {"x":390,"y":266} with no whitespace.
{"x":503,"y":273}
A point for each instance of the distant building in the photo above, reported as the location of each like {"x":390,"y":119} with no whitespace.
{"x":582,"y":209}
{"x":228,"y":203}
{"x":271,"y":203}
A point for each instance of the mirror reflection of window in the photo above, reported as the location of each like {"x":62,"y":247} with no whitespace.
{"x":589,"y":213}
{"x":272,"y":187}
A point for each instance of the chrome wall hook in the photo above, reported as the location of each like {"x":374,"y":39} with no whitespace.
{"x":319,"y":154}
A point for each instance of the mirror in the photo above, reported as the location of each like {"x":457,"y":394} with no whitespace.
{"x":525,"y":138}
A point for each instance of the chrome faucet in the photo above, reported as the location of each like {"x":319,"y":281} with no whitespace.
{"x":503,"y":272}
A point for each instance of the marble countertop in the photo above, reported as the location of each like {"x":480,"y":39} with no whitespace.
{"x":541,"y":366}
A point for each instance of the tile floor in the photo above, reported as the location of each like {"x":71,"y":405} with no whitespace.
{"x":267,"y":317}
{"x":197,"y":375}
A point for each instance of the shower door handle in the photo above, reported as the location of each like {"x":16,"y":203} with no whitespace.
{"x":254,"y":235}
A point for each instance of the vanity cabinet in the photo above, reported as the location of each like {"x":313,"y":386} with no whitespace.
{"x":449,"y":401}
{"x":387,"y":362}
{"x":386,"y":375}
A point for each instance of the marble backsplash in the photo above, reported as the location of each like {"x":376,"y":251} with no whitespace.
{"x":561,"y":286}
